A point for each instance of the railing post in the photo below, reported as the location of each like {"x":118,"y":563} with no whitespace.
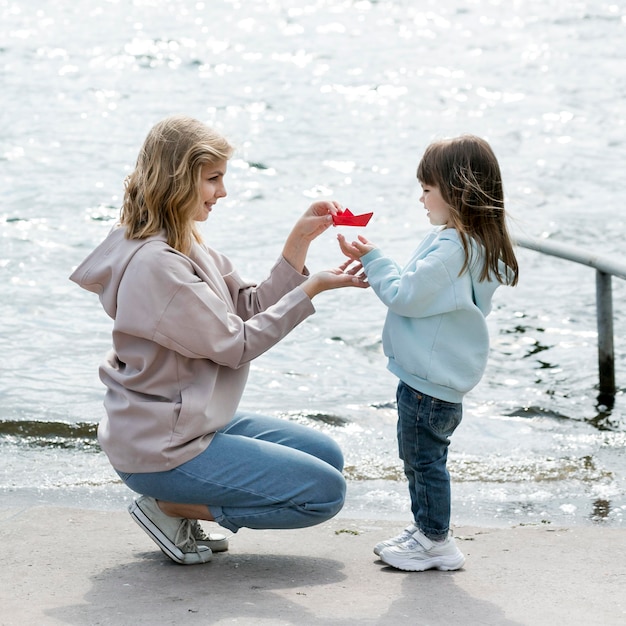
{"x":605,"y":267}
{"x":606,"y":357}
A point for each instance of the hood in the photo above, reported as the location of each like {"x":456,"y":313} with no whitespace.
{"x":482,"y":290}
{"x":102,"y":271}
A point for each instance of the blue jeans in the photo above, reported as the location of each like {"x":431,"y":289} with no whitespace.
{"x":425,"y":425}
{"x":257,"y":472}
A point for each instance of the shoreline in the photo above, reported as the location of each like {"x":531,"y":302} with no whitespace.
{"x":64,"y":565}
{"x":466,"y":511}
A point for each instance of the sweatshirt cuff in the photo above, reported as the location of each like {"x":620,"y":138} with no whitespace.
{"x":372,"y":255}
{"x":289,"y":273}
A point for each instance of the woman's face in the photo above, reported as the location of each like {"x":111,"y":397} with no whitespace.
{"x":211,"y":188}
{"x":438,"y":210}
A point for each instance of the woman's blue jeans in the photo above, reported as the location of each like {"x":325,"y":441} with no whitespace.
{"x":257,"y":472}
{"x":425,"y":425}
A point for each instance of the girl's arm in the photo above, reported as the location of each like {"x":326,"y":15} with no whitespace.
{"x":427,"y":287}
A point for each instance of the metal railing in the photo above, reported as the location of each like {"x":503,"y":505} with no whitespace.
{"x":605,"y":269}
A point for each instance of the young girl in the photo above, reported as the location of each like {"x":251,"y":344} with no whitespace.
{"x":185,"y":329}
{"x":435,"y":334}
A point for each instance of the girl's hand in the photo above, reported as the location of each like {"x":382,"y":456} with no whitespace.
{"x":356,"y":249}
{"x":348,"y":274}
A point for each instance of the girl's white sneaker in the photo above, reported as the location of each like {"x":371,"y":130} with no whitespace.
{"x":405,"y":535}
{"x":419,"y":553}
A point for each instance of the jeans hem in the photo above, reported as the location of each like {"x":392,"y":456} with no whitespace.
{"x":219,"y":518}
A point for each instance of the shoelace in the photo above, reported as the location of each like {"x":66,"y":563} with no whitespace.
{"x":185,"y":539}
{"x":197,"y":531}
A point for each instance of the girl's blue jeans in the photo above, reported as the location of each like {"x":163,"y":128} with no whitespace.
{"x":257,"y":472}
{"x":425,"y":425}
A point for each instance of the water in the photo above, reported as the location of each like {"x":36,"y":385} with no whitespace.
{"x":338,"y":99}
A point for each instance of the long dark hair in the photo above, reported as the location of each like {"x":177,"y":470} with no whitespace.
{"x":467,"y":173}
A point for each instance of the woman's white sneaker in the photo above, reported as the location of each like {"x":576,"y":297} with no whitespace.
{"x":216,"y":541}
{"x":172,"y":534}
{"x":405,"y":535}
{"x":420,"y":553}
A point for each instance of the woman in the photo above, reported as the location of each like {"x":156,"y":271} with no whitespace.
{"x":185,"y":329}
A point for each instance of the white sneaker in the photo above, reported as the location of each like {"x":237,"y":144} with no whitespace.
{"x":172,"y":534}
{"x":405,"y":535}
{"x":216,"y":541}
{"x":420,"y":553}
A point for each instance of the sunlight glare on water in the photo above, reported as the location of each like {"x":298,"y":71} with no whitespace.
{"x":336,"y":100}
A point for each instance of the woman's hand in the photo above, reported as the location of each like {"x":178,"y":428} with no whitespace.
{"x":349,"y":274}
{"x":356,"y":249}
{"x":315,"y":220}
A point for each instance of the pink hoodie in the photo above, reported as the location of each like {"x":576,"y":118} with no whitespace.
{"x":185,"y":329}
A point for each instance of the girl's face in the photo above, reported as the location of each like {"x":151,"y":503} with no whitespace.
{"x":211,"y":188}
{"x":438,"y":210}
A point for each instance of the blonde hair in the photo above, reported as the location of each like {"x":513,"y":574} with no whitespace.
{"x":163,"y":191}
{"x":467,"y":173}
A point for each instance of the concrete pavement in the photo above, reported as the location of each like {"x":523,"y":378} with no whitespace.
{"x":86,"y":567}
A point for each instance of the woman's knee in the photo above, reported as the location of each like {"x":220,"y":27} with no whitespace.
{"x":334,"y":485}
{"x":329,"y":502}
{"x":333,"y":455}
{"x":337,"y":504}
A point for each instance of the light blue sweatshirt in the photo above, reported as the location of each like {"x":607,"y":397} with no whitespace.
{"x":435,"y":335}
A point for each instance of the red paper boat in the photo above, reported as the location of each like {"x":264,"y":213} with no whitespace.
{"x":347,"y":219}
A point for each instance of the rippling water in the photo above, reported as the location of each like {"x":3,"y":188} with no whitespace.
{"x":324,"y":99}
